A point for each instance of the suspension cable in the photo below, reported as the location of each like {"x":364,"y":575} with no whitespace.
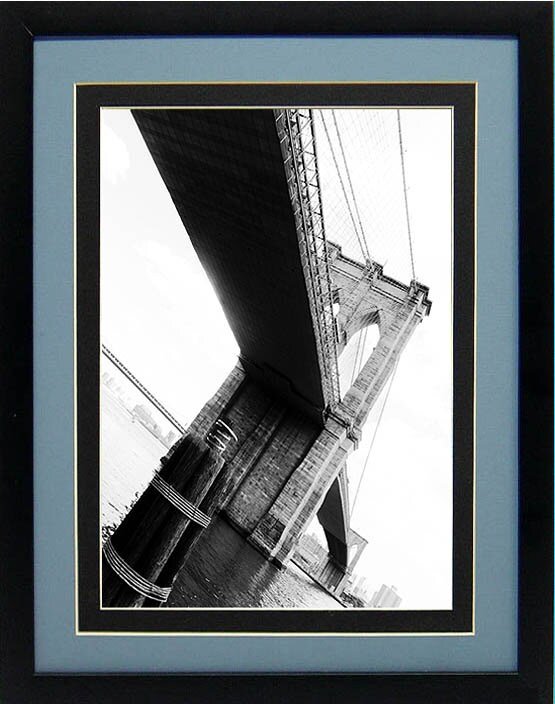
{"x":350,"y":182}
{"x":374,"y":437}
{"x":361,"y":242}
{"x":405,"y":191}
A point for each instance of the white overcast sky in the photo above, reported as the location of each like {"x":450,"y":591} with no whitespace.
{"x":160,"y":315}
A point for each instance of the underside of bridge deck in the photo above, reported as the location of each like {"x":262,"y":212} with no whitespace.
{"x":224,"y":171}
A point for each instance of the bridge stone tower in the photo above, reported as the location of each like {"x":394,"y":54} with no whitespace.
{"x":284,"y":465}
{"x":257,"y":452}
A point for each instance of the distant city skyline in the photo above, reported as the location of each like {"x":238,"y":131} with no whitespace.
{"x":141,"y":408}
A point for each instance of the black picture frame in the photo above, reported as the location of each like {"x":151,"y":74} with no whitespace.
{"x":531,"y":23}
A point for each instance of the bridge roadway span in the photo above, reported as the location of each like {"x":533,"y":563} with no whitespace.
{"x":224,"y":171}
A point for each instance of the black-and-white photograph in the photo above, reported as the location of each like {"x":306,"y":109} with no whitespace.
{"x":276,"y":328}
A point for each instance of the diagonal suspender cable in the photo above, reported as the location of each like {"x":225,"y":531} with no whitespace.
{"x":373,"y":438}
{"x":361,"y":241}
{"x":363,"y":234}
{"x":405,"y":191}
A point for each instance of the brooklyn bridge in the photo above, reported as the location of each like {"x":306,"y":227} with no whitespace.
{"x":268,"y":452}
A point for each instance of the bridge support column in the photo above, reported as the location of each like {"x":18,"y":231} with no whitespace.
{"x":138,"y":560}
{"x":276,"y":535}
{"x":220,"y":491}
{"x":355,"y":540}
{"x":332,"y":576}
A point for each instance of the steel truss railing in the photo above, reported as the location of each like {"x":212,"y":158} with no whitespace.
{"x":295,"y":130}
{"x":133,"y":379}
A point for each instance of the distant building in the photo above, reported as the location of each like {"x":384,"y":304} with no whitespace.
{"x":310,"y":552}
{"x":143,"y":415}
{"x":385,"y":598}
{"x":139,"y":412}
{"x":358,"y":583}
{"x":358,"y":587}
{"x":169,"y":439}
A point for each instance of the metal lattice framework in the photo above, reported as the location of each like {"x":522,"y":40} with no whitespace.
{"x":295,"y":130}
